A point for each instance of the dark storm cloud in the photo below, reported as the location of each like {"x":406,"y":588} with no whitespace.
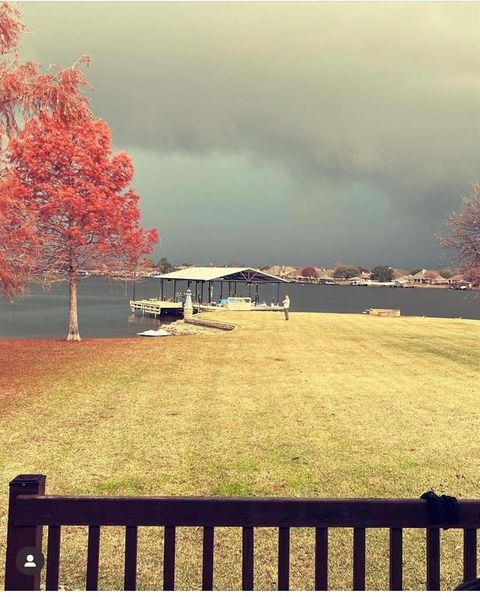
{"x":382,"y":96}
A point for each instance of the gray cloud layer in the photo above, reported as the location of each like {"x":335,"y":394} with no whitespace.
{"x":370,"y":112}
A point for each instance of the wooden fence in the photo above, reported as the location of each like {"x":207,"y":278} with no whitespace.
{"x":30,"y":510}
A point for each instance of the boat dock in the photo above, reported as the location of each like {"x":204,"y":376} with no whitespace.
{"x":200,"y":279}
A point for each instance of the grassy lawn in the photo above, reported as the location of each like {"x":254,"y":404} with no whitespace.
{"x":322,"y":405}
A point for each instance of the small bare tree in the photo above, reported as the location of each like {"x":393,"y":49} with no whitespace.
{"x":464,"y":237}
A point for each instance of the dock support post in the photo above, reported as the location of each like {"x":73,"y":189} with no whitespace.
{"x":278,"y":293}
{"x":174,"y":291}
{"x":229,"y":289}
{"x":221,"y":290}
{"x":257,"y":297}
{"x":235,"y":288}
{"x":161,"y":290}
{"x":188,"y":307}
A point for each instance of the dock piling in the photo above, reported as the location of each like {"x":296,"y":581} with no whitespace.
{"x":188,"y":306}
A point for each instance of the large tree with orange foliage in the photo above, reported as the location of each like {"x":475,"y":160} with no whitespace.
{"x":26,"y":92}
{"x":79,"y":194}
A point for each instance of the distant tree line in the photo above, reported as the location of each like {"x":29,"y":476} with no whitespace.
{"x":164,"y":266}
{"x":380,"y":273}
{"x":346,"y":271}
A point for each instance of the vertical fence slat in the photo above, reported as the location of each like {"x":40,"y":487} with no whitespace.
{"x":433,"y":559}
{"x":207,"y":560}
{"x":93,"y":553}
{"x":53,"y":558}
{"x":247,"y":558}
{"x":321,"y":559}
{"x":396,"y":559}
{"x":469,"y":554}
{"x":169,"y":559}
{"x":359,"y":559}
{"x":131,"y":542}
{"x":283,"y":558}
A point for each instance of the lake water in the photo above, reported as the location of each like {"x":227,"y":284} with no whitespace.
{"x":104,"y":306}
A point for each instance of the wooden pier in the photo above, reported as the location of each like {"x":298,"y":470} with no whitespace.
{"x":156,"y":307}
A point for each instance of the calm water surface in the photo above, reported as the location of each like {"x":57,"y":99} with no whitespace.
{"x":104,"y":309}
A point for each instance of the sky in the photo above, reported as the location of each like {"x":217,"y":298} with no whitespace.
{"x":301,"y":133}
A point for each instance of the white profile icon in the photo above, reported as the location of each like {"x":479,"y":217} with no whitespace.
{"x":30,"y":563}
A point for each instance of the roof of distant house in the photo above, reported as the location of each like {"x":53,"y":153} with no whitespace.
{"x":399,"y":273}
{"x":279,"y":270}
{"x":426,"y":274}
{"x":327,"y":273}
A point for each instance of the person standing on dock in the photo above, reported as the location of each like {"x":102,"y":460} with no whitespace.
{"x":286,"y":306}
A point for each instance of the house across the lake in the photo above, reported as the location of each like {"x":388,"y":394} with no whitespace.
{"x":428,"y":276}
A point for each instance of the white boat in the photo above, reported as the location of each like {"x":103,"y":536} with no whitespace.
{"x":154,"y":333}
{"x":237,"y":303}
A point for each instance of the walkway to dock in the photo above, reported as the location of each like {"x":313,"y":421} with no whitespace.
{"x":157,"y":307}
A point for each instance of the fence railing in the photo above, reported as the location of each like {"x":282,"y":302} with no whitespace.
{"x":30,"y":510}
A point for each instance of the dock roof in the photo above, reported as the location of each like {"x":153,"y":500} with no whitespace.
{"x":225,"y":274}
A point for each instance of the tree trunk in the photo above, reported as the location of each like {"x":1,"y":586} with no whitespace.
{"x":73,"y":333}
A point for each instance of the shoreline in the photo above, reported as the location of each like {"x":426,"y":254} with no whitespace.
{"x":191,"y":330}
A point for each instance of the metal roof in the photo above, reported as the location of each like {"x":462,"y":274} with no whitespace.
{"x":228,"y":274}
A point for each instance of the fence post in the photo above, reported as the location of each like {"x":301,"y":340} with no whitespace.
{"x":20,"y":537}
